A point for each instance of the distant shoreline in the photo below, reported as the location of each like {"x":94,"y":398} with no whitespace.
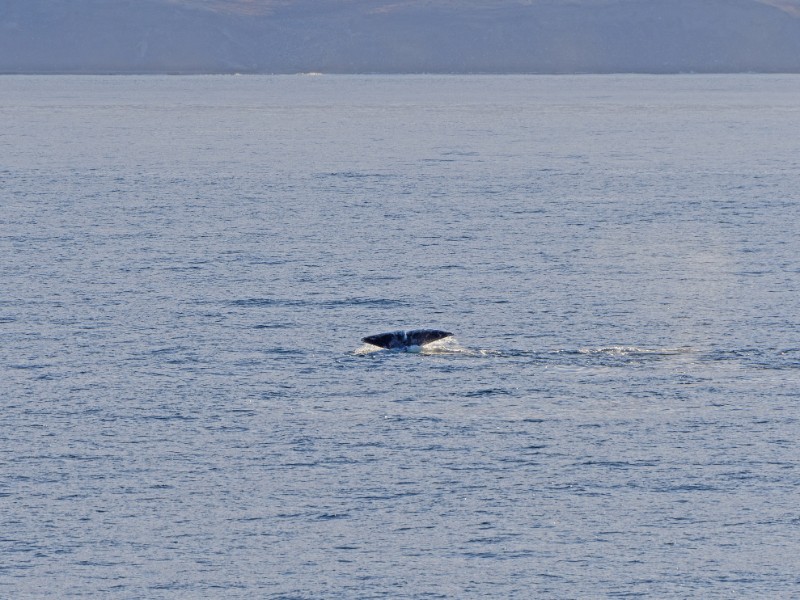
{"x":385,"y":74}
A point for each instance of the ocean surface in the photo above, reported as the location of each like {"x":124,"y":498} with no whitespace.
{"x":188,"y":265}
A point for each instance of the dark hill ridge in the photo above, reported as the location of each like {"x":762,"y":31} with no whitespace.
{"x":391,"y":36}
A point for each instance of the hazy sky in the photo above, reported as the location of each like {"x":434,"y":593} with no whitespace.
{"x":266,"y":6}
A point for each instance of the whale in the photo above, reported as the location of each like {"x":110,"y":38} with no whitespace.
{"x":399,"y":340}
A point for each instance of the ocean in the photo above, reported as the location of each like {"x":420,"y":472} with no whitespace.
{"x":189,"y":265}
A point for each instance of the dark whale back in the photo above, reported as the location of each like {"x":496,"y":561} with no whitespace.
{"x":404,"y":339}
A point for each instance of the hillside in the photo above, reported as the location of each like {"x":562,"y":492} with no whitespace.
{"x":357,"y":36}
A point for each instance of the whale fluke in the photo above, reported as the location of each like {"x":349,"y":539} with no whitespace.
{"x":403,"y":339}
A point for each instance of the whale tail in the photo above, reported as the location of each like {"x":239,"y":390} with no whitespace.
{"x":404,"y":339}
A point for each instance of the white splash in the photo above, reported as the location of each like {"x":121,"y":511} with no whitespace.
{"x":448,"y":346}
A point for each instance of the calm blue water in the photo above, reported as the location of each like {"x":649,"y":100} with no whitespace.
{"x":188,"y":265}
